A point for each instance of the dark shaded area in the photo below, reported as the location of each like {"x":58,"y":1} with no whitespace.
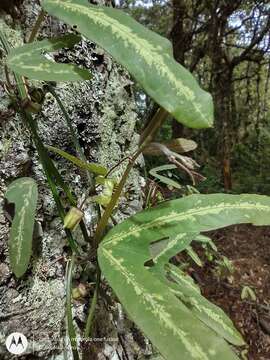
{"x":248,"y":248}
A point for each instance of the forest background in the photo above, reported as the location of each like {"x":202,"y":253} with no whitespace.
{"x":226,"y":45}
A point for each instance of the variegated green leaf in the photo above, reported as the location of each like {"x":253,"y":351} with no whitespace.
{"x":93,"y":167}
{"x":188,"y":292}
{"x":206,"y":240}
{"x":194,"y":256}
{"x":180,"y":277}
{"x":175,"y":324}
{"x":23,"y":194}
{"x":146,"y":55}
{"x":30,"y":61}
{"x":162,"y":250}
{"x":182,"y":286}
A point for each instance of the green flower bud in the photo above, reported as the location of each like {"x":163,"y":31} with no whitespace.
{"x":73,"y":218}
{"x":79,"y":292}
{"x":76,"y":294}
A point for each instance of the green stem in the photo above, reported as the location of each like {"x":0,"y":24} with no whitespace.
{"x":90,"y":317}
{"x":37,"y":25}
{"x":151,"y":130}
{"x":73,"y":134}
{"x":78,"y":149}
{"x":4,"y":42}
{"x":110,"y":207}
{"x":47,"y":167}
{"x":71,"y":329}
{"x":51,"y":171}
{"x":68,"y":120}
{"x":153,"y":126}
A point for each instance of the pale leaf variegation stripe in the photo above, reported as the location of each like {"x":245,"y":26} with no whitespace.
{"x":153,"y":55}
{"x":185,"y":280}
{"x":190,"y":215}
{"x":157,"y":306}
{"x":170,"y":245}
{"x":23,"y":194}
{"x":30,"y":61}
{"x":147,"y":56}
{"x":173,"y":314}
{"x":205,"y":310}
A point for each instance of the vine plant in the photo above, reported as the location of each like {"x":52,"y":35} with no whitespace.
{"x":134,"y":256}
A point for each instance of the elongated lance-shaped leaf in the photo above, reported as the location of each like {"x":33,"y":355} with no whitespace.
{"x":194,"y":256}
{"x":188,"y":292}
{"x":146,"y":55}
{"x":206,"y":240}
{"x":30,"y":61}
{"x":176,"y":145}
{"x":23,"y":193}
{"x":164,"y":179}
{"x":173,"y":326}
{"x":207,"y":312}
{"x":93,"y":167}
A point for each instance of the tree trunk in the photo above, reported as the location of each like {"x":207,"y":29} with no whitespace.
{"x":103,"y":113}
{"x":178,"y":42}
{"x":222,"y":92}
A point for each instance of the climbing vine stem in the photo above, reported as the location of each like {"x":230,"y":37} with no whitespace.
{"x":151,"y":130}
{"x":37,"y":25}
{"x":146,"y":138}
{"x":70,"y":325}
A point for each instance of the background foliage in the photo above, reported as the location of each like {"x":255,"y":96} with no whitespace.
{"x":227,"y":47}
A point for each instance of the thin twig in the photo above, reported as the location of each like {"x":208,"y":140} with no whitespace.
{"x":104,"y":220}
{"x":37,"y":25}
{"x":48,"y":167}
{"x":147,"y":137}
{"x":90,"y":317}
{"x":68,"y":121}
{"x":153,"y":126}
{"x":116,"y":165}
{"x":71,"y":329}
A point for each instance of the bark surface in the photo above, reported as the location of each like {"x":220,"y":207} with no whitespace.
{"x":104,"y":116}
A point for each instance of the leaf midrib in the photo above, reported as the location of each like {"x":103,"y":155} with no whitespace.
{"x":177,"y":216}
